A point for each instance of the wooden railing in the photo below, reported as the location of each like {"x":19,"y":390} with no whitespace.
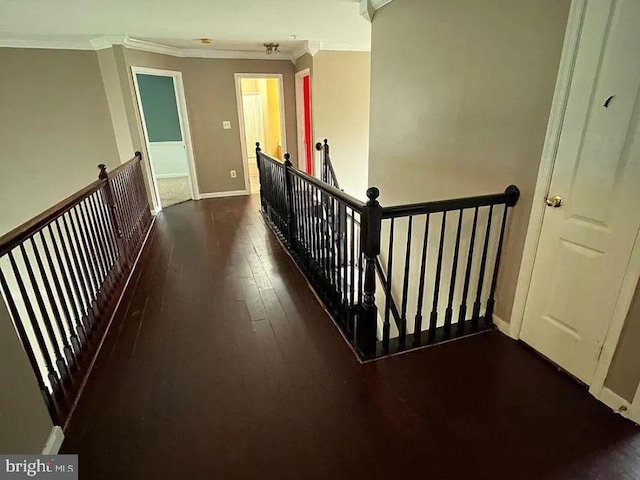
{"x":337,"y":241}
{"x":327,"y":173}
{"x":62,"y":274}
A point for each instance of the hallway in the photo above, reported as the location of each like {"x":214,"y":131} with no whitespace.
{"x":221,"y":364}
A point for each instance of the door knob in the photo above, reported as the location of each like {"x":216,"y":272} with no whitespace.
{"x":555,"y":202}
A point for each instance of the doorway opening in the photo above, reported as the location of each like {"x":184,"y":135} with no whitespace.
{"x":261,"y":111}
{"x":162,"y":108}
{"x":303,"y":113}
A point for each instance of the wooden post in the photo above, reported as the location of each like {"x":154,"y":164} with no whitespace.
{"x":112,"y":208}
{"x":370,"y":233}
{"x":262,"y":204}
{"x":289,"y":196}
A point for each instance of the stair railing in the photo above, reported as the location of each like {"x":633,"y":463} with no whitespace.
{"x":62,"y":274}
{"x":327,"y":172}
{"x":337,"y":242}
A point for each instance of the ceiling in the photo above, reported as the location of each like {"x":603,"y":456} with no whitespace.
{"x":230,"y":24}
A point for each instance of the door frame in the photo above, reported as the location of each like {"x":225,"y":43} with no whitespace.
{"x":300,"y":123}
{"x":241,"y":131}
{"x":545,"y":172}
{"x":185,"y":129}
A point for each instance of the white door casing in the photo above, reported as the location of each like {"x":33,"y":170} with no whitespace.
{"x":586,"y":244}
{"x":254,"y":131}
{"x":185,"y":129}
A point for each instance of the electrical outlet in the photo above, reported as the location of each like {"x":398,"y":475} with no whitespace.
{"x":233,"y":174}
{"x":226,"y":125}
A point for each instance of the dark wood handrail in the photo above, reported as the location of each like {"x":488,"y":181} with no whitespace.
{"x":508,"y":198}
{"x":19,"y":234}
{"x":136,"y":158}
{"x":352,"y":202}
{"x":326,"y":158}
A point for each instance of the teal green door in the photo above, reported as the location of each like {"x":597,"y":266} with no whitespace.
{"x":158,"y":98}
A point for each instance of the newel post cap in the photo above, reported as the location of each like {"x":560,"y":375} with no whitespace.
{"x":513,"y":194}
{"x":287,"y":160}
{"x":372,"y":194}
{"x":103,"y":171}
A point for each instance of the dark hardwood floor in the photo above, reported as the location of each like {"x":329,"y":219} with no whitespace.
{"x":221,"y":364}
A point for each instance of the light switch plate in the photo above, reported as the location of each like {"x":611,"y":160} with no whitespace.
{"x":226,"y":125}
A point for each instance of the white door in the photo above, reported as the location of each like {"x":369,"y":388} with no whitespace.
{"x":254,"y":128}
{"x":586,"y":243}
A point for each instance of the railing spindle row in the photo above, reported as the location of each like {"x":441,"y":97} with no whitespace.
{"x":337,"y":240}
{"x":62,"y":273}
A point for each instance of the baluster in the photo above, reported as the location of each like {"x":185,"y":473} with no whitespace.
{"x":289,"y":198}
{"x":107,"y":234}
{"x":417,"y":329}
{"x":371,"y":219}
{"x":483,"y":263}
{"x":85,"y":255}
{"x":28,"y":348}
{"x":488,"y":316}
{"x":92,"y":246}
{"x":467,"y":276}
{"x":57,"y":317}
{"x":452,"y":285}
{"x":402,"y":330}
{"x":63,"y":369}
{"x":386,"y":326}
{"x":83,"y":277}
{"x":352,"y":268}
{"x":69,"y":279}
{"x":513,"y":194}
{"x":433,"y":321}
{"x":35,"y":325}
{"x":344,"y":265}
{"x":114,"y":216}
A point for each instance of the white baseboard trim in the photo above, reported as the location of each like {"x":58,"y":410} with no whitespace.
{"x":234,"y":193}
{"x":503,"y":326}
{"x":54,"y":442}
{"x":172,"y":175}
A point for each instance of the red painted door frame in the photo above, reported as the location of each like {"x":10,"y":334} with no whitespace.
{"x":306,"y":86}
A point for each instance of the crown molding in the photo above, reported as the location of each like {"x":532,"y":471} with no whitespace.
{"x":368,"y":8}
{"x":312,"y":47}
{"x":50,"y":44}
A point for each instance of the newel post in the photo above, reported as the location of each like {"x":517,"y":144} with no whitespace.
{"x":112,"y":209}
{"x":258,"y":150}
{"x":289,"y":196}
{"x":370,"y":232}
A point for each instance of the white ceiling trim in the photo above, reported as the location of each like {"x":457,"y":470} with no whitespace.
{"x":313,"y":47}
{"x":101,"y":43}
{"x":53,"y":44}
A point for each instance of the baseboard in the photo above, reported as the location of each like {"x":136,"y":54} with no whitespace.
{"x":234,"y":193}
{"x":54,"y":442}
{"x":503,"y":326}
{"x":173,"y":175}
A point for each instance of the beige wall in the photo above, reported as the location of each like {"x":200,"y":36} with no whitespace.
{"x":340,"y":113}
{"x":624,"y":373}
{"x":24,"y":421}
{"x":211,"y":99}
{"x":210,"y":91}
{"x":460,"y":99}
{"x":55,"y":128}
